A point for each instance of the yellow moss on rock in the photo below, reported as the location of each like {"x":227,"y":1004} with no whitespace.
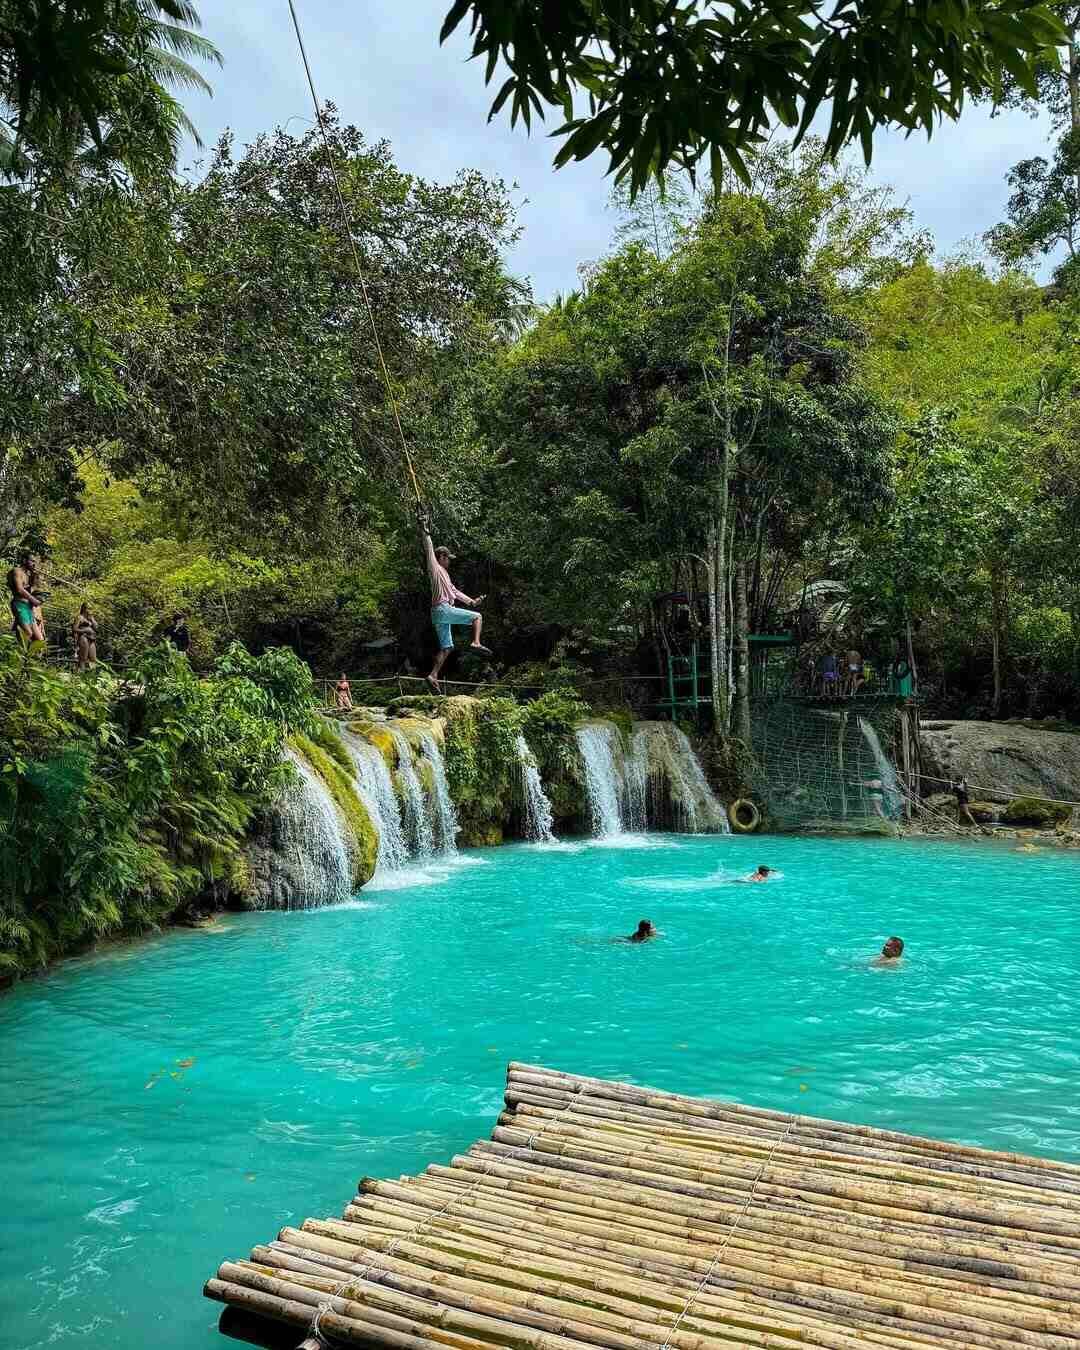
{"x":361,"y":836}
{"x":378,"y":735}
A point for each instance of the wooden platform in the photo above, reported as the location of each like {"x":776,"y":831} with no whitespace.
{"x":601,"y":1214}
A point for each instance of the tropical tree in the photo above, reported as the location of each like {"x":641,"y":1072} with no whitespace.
{"x":90,"y":83}
{"x":676,"y":82}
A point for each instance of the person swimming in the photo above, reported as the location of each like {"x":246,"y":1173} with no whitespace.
{"x":644,"y":932}
{"x":890,"y":953}
{"x":763,"y":873}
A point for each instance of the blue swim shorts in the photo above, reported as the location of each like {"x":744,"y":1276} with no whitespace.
{"x":443,"y":616}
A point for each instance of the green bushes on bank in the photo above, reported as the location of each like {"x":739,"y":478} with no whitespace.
{"x":122,"y":801}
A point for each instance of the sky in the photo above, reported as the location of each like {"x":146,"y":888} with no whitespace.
{"x":380,"y":62}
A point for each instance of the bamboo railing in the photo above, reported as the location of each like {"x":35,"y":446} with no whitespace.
{"x":605,"y":1214}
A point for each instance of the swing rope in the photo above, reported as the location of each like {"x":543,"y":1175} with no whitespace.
{"x":347,"y":227}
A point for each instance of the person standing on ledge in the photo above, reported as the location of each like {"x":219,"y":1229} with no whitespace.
{"x":445,"y":614}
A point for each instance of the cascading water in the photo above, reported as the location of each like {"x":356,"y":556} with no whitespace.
{"x":636,"y":785}
{"x":312,"y":834}
{"x":418,"y":827}
{"x":444,"y":819}
{"x":598,"y":744}
{"x":376,"y":789}
{"x":666,"y":775}
{"x":539,"y":820}
{"x":891,"y":793}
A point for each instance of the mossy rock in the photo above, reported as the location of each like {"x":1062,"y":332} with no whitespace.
{"x":1035,"y":812}
{"x":985,"y":812}
{"x":414,"y":729}
{"x":379,"y":736}
{"x":484,"y":834}
{"x":425,"y":771}
{"x":360,"y":833}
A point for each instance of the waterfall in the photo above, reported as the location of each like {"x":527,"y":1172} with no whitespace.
{"x":636,"y":784}
{"x":376,"y":789}
{"x":662,"y":754}
{"x":418,"y":827}
{"x":312,"y":835}
{"x":538,"y":815}
{"x":598,"y":744}
{"x":892,"y":796}
{"x":443,"y":816}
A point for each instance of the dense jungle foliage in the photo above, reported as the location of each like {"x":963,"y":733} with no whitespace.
{"x":771,"y":390}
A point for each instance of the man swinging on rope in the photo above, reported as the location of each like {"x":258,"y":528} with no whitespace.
{"x":444,"y":613}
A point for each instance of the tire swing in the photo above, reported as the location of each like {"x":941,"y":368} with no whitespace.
{"x":744,"y":816}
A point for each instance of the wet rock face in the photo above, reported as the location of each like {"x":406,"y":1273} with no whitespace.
{"x":1019,"y":761}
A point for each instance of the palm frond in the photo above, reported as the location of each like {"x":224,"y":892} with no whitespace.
{"x":170,"y":70}
{"x":183,"y":42}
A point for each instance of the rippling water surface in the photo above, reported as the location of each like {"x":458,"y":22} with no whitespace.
{"x":171,"y":1103}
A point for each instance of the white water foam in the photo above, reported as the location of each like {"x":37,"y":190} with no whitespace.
{"x":598,"y":743}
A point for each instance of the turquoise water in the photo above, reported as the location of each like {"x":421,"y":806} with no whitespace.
{"x":169,"y":1104}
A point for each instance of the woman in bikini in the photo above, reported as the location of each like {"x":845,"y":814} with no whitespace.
{"x":84,"y":635}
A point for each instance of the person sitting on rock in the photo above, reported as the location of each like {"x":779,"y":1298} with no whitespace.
{"x":444,"y":613}
{"x":891,"y":953}
{"x":644,"y":932}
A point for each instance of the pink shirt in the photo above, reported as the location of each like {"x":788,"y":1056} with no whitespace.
{"x":443,"y":590}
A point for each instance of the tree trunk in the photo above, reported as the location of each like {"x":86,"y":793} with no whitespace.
{"x":1073,"y":78}
{"x":741,"y":725}
{"x":998,"y":623}
{"x":717,"y":568}
{"x":911,"y":657}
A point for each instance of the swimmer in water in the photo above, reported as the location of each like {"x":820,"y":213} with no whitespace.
{"x":890,"y":953}
{"x":645,"y":932}
{"x":762,"y":874}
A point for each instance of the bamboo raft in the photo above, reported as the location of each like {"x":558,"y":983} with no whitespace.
{"x":603,"y":1214}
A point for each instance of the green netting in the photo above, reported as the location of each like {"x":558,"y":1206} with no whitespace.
{"x":823,"y":768}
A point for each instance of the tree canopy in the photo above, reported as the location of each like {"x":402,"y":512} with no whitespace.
{"x":654,"y":83}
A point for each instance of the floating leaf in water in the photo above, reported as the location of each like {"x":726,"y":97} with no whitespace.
{"x":250,"y":1176}
{"x":804,"y":1087}
{"x":186,"y":1063}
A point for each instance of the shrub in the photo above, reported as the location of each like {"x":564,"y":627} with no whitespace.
{"x":120,"y":802}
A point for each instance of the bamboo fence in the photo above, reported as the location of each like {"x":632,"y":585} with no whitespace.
{"x":604,"y":1214}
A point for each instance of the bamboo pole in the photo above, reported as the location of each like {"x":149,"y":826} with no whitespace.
{"x":641,"y":1139}
{"x":581,"y":1234}
{"x":589,"y":1322}
{"x":733,"y":1128}
{"x":605,"y":1090}
{"x":497,"y":1263}
{"x":689,"y":1181}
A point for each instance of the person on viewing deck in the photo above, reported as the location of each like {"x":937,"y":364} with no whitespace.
{"x":24,"y":603}
{"x":84,"y":634}
{"x":644,"y":932}
{"x":890,"y":953}
{"x":177,"y":632}
{"x":445,"y":614}
{"x":830,"y":675}
{"x":762,"y":874}
{"x":343,"y":694}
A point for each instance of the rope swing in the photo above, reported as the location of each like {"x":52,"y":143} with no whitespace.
{"x":346,"y":225}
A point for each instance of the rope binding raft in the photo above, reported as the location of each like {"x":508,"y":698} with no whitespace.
{"x":744,"y":816}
